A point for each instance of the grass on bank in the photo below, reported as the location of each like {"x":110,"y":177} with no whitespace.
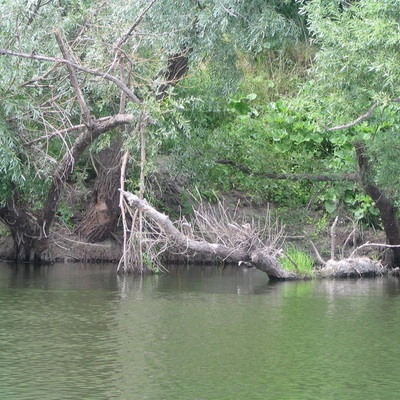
{"x":298,"y":261}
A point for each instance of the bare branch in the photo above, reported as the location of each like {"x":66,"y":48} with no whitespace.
{"x":333,"y":237}
{"x":63,"y":131}
{"x":361,"y":118}
{"x":350,"y":237}
{"x":178,"y":237}
{"x":261,"y":256}
{"x":67,"y":54}
{"x":90,"y":71}
{"x":389,"y":246}
{"x":124,"y":259}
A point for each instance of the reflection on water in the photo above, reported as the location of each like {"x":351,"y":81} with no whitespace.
{"x":82,"y":332}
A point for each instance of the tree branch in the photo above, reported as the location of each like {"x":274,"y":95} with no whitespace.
{"x":261,"y":258}
{"x":95,"y":72}
{"x":66,"y":165}
{"x":177,"y":237}
{"x":126,"y":35}
{"x":361,"y":118}
{"x":293,"y":177}
{"x":62,"y":131}
{"x":67,"y":54}
{"x":386,"y":246}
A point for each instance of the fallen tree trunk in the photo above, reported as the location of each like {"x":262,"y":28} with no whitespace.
{"x":262,"y":258}
{"x":253,"y":251}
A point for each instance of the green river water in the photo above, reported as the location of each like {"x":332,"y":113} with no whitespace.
{"x":81,"y":332}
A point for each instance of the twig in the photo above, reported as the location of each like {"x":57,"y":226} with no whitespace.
{"x":83,"y":243}
{"x":126,"y":35}
{"x":62,"y":131}
{"x":361,"y":118}
{"x":352,"y":235}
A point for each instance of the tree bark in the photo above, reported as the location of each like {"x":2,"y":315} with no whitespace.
{"x":103,"y":213}
{"x":387,"y":209}
{"x":23,"y":228}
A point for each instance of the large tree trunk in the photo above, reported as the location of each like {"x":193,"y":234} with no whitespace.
{"x":102,"y":216}
{"x":23,"y":228}
{"x":31,"y":231}
{"x":387,"y":209}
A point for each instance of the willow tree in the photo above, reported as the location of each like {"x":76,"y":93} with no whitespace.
{"x":203,"y":32}
{"x":80,"y":74}
{"x":354,"y":87}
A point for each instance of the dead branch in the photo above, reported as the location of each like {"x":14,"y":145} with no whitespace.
{"x":177,"y":237}
{"x":262,"y":258}
{"x":373,"y":245}
{"x":350,"y":237}
{"x":124,"y":260}
{"x":319,"y":258}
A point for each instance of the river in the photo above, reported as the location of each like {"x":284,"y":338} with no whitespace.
{"x":81,"y":332}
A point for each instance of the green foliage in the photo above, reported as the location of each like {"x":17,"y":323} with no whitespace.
{"x":257,"y":99}
{"x":65,"y":213}
{"x":363,"y":209}
{"x":297,"y":261}
{"x":11,"y":168}
{"x":358,"y":61}
{"x":215,"y":32}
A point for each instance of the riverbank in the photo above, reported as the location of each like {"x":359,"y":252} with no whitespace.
{"x":302,"y":228}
